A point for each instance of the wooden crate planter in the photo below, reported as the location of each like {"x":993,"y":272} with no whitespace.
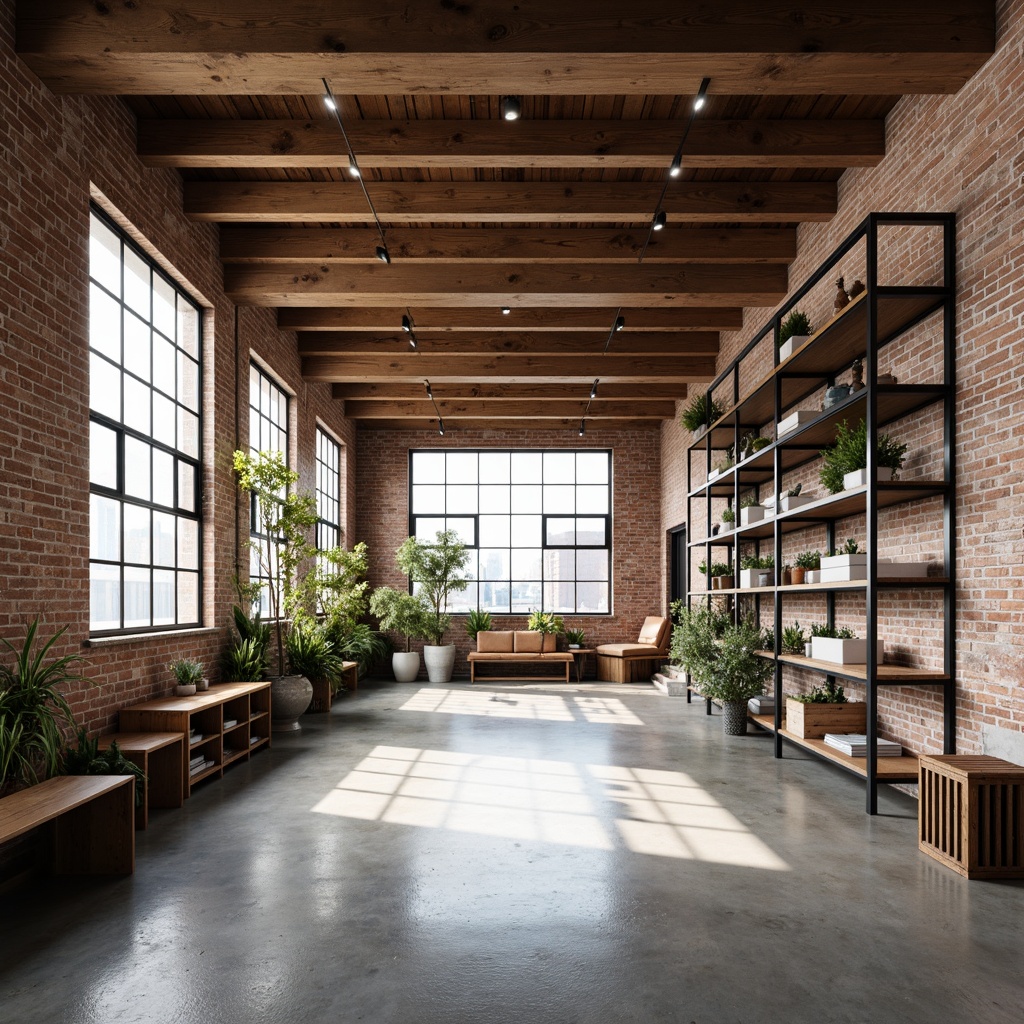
{"x":971,"y":814}
{"x":812,"y":721}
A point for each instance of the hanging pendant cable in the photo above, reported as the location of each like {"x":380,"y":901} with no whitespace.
{"x":332,"y":105}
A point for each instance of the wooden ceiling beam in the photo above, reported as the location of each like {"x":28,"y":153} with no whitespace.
{"x":595,"y":428}
{"x":689,"y":284}
{"x":693,"y":343}
{"x":441,"y":320}
{"x":369,"y":46}
{"x":522,"y":409}
{"x":538,"y":390}
{"x":411,"y":367}
{"x":508,"y":202}
{"x":496,"y":143}
{"x":511,"y":245}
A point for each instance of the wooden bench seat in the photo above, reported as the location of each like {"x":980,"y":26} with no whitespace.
{"x":92,"y":819}
{"x":563,"y":658}
{"x":161,"y":756}
{"x":323,"y":698}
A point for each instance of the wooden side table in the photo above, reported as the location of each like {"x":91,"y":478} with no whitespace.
{"x":579,"y":658}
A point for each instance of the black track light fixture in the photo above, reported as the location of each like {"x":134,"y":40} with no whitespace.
{"x":620,"y":322}
{"x":593,"y":390}
{"x":511,"y":108}
{"x":701,"y":98}
{"x":676,"y":167}
{"x":505,"y":310}
{"x":430,"y":394}
{"x":353,"y":168}
{"x":583,"y":427}
{"x":660,"y":220}
{"x":382,"y":254}
{"x":407,"y":323}
{"x":440,"y":426}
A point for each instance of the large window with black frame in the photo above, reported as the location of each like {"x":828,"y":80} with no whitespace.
{"x":328,"y":491}
{"x":145,"y":429}
{"x":268,"y":432}
{"x":537,"y":523}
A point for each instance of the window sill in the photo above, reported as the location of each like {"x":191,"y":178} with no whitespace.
{"x":165,"y":634}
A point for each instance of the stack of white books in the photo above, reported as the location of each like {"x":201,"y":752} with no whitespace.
{"x":198,"y":764}
{"x":763,"y":705}
{"x":230,"y":722}
{"x":856,"y":745}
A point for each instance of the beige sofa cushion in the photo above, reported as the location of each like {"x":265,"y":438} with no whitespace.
{"x":495,"y":641}
{"x":627,"y":650}
{"x":528,"y":641}
{"x":654,"y":631}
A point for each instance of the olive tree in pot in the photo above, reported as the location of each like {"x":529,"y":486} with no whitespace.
{"x":721,"y":657}
{"x":435,"y":569}
{"x":281,"y":548}
{"x":401,"y":612}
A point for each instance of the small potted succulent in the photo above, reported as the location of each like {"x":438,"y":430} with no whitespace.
{"x":576,"y":638}
{"x":793,"y":332}
{"x":188,"y":675}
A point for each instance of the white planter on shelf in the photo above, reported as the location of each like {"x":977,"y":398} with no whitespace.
{"x":843,"y":568}
{"x":787,"y":502}
{"x":788,"y":347}
{"x":751,"y":577}
{"x":812,"y":576}
{"x":844,"y":652}
{"x":794,"y":420}
{"x":859,"y":477}
{"x":808,"y":651}
{"x":751,"y":514}
{"x":714,"y":475}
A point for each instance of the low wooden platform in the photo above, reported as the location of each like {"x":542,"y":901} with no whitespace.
{"x":91,"y":819}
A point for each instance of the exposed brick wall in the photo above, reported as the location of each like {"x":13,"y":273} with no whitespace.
{"x":382,"y":482}
{"x":962,"y":154}
{"x":57,"y":152}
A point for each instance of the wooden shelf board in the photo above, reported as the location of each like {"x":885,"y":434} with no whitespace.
{"x":216,"y":695}
{"x":891,"y":674}
{"x":889,"y":769}
{"x":207,"y":737}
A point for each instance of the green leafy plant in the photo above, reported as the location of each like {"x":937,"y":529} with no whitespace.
{"x":768,"y":639}
{"x":88,"y":759}
{"x":749,"y":500}
{"x":186,"y":672}
{"x":401,"y":612}
{"x":720,"y":569}
{"x":698,"y":413}
{"x":849,"y":452}
{"x":808,"y":560}
{"x":849,"y":548}
{"x":546,"y":622}
{"x":476,"y":621}
{"x":797,"y":323}
{"x":754,"y":562}
{"x":34,"y":714}
{"x":311,"y":653}
{"x":245,"y":661}
{"x":729,"y":514}
{"x":721,"y":656}
{"x":577,"y":637}
{"x":435,"y":569}
{"x":830,"y":692}
{"x":362,"y":644}
{"x":281,"y":546}
{"x":793,"y":639}
{"x":335,"y":589}
{"x":832,"y":632}
{"x":753,"y":443}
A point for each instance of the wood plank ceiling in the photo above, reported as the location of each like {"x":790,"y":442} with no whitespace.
{"x":545,"y":216}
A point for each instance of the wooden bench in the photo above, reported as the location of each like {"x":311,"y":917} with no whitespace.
{"x":161,"y":756}
{"x":92,"y":820}
{"x":563,"y":658}
{"x":323,"y":698}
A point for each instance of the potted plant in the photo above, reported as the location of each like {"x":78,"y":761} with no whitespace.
{"x":404,"y":613}
{"x":435,"y":569}
{"x":844,"y":464}
{"x":721,"y":576}
{"x":284,"y":518}
{"x":824,"y":709}
{"x":751,"y":444}
{"x":788,"y":501}
{"x":187,"y":674}
{"x":476,"y":621}
{"x":750,"y":511}
{"x":34,"y":714}
{"x":721,"y":657}
{"x":312,"y":653}
{"x":728,"y":517}
{"x":88,"y":759}
{"x":794,"y":330}
{"x":549,"y":624}
{"x":576,"y":638}
{"x":842,"y":645}
{"x":803,"y":562}
{"x":246,"y":660}
{"x":753,"y":568}
{"x":700,"y":412}
{"x":793,"y":639}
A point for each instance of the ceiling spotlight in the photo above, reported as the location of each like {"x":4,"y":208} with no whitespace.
{"x":702,"y":92}
{"x":660,"y":220}
{"x":353,"y":167}
{"x":406,"y":323}
{"x":430,"y":394}
{"x":583,"y":427}
{"x":620,"y":322}
{"x":593,"y":390}
{"x":440,"y":426}
{"x":676,"y":166}
{"x":329,"y":103}
{"x":505,"y":310}
{"x":511,"y":108}
{"x":412,"y":340}
{"x":382,"y":254}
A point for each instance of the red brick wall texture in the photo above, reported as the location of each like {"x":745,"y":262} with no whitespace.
{"x":961,"y":154}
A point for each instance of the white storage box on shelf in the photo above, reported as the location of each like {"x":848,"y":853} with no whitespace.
{"x":794,"y":420}
{"x":788,"y":347}
{"x":844,"y":652}
{"x":859,"y":477}
{"x":714,"y":474}
{"x":844,"y":568}
{"x":787,"y":503}
{"x":751,"y":577}
{"x":751,"y":514}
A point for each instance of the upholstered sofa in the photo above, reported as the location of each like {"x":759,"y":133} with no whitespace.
{"x":506,"y":647}
{"x":626,"y":663}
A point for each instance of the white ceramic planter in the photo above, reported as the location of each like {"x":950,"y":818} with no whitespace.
{"x":859,"y":477}
{"x":714,"y":475}
{"x":788,"y":347}
{"x":794,"y":420}
{"x":786,"y":503}
{"x":751,"y":577}
{"x":405,"y":665}
{"x":808,"y":650}
{"x":812,"y":576}
{"x":753,"y":514}
{"x":440,"y":662}
{"x":844,"y":652}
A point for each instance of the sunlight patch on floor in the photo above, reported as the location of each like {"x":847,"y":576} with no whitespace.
{"x":536,"y":706}
{"x":603,"y":807}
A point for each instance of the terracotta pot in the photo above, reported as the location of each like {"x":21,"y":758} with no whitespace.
{"x":797,"y":574}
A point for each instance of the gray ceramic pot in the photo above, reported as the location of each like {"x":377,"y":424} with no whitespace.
{"x":289,"y":697}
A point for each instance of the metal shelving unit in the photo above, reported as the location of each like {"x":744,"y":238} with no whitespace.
{"x":880,"y":315}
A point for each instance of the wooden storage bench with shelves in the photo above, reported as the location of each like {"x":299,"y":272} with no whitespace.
{"x":161,"y":756}
{"x":224,"y":724}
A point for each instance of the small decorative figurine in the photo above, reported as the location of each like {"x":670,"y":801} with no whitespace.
{"x":841,"y":298}
{"x":856,"y":288}
{"x":857,"y":380}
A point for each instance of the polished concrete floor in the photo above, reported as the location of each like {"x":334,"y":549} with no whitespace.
{"x":510,"y":853}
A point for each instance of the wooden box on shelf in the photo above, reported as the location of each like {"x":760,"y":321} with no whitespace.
{"x":812,"y":721}
{"x":971,"y":814}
